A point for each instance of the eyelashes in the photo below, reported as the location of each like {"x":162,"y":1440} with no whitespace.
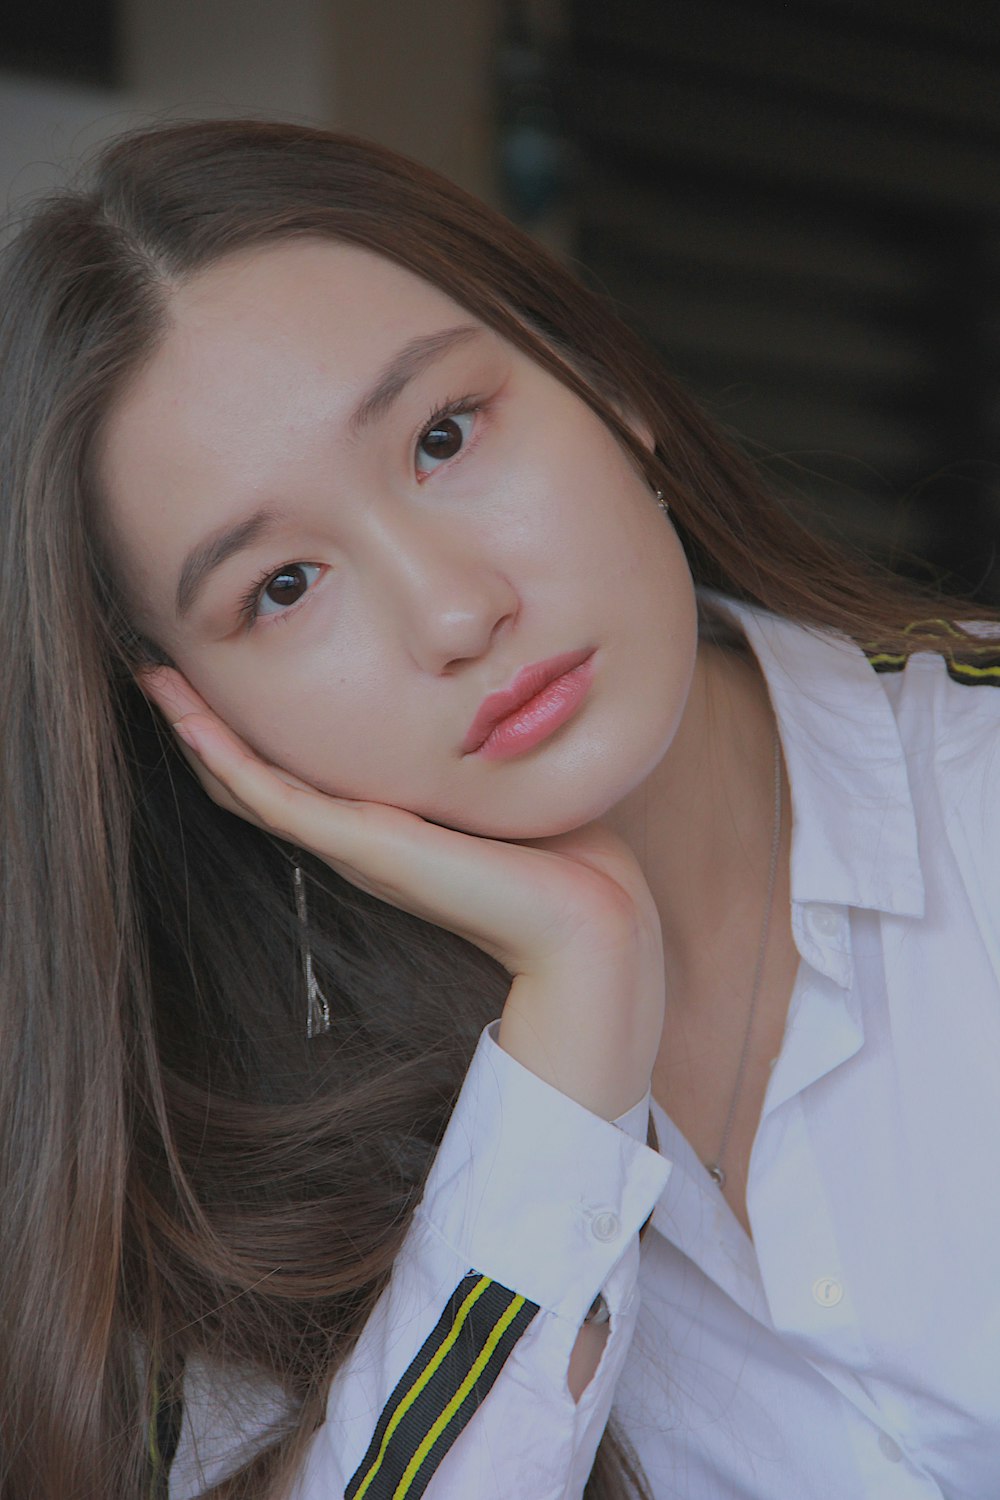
{"x":450,"y":430}
{"x":249,"y":604}
{"x":444,"y":430}
{"x":293,"y":580}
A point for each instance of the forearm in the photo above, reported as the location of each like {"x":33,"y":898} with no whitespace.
{"x":533,"y":1206}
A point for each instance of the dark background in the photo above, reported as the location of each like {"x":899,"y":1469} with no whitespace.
{"x":74,"y":39}
{"x":800,"y":204}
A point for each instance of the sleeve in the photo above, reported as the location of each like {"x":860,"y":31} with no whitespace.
{"x":457,"y":1386}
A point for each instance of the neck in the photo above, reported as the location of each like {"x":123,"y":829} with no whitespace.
{"x":701,"y":824}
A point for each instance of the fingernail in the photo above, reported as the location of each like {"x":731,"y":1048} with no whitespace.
{"x":186,"y":733}
{"x":148,"y":677}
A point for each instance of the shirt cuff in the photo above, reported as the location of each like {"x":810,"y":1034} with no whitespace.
{"x":534,"y":1190}
{"x":635,"y":1121}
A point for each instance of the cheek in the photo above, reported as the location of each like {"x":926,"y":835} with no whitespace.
{"x":321,"y":728}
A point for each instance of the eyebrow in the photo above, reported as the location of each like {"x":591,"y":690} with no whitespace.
{"x":217,"y":549}
{"x":405,"y":366}
{"x":390,"y":383}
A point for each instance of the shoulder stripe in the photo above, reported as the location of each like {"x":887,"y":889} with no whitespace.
{"x":445,"y":1383}
{"x":886,"y":661}
{"x":968,"y":672}
{"x":968,"y":659}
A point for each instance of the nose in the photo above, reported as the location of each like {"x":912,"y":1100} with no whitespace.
{"x":447,"y":598}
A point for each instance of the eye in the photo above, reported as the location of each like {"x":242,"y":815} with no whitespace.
{"x":443,"y":439}
{"x":285,"y":587}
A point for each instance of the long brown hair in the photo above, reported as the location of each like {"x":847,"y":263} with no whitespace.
{"x":184,"y":1177}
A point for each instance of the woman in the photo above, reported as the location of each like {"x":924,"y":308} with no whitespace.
{"x":327,"y":1095}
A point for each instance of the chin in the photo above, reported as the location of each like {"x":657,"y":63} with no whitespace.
{"x":571,"y":806}
{"x":518,"y":828}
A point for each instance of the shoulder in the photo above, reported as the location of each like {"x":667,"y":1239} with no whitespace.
{"x":944,"y":704}
{"x":854,"y":718}
{"x":947,"y":708}
{"x":948,"y":716}
{"x":889,"y":761}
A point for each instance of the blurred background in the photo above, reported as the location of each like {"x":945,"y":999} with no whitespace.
{"x":797,"y":203}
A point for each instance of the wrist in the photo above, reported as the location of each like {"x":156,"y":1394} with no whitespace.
{"x":595,"y":1041}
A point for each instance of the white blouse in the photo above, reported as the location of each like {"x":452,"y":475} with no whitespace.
{"x":852,"y":1348}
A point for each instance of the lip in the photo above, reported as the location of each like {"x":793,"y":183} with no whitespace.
{"x":541,"y":697}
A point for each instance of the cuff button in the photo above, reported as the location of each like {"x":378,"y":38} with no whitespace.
{"x":605,"y":1225}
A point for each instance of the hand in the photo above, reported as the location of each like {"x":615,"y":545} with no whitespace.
{"x":570,"y":918}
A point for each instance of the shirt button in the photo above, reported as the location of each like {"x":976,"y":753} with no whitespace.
{"x":824,"y":921}
{"x":890,"y":1448}
{"x":827,"y":1291}
{"x":605,"y":1225}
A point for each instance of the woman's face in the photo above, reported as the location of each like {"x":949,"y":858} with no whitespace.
{"x":350,"y":514}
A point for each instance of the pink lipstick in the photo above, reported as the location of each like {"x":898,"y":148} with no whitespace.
{"x":539,"y":700}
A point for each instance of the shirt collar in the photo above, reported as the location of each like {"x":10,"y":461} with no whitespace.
{"x":854,"y":832}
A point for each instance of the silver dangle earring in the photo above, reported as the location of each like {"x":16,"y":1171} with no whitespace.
{"x":658,"y":497}
{"x":317,"y":1005}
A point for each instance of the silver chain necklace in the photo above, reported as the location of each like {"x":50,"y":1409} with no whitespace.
{"x":715,"y":1168}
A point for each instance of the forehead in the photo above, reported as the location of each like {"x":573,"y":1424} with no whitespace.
{"x":308,"y":308}
{"x":247,"y":396}
{"x":290,"y":284}
{"x":260,"y":349}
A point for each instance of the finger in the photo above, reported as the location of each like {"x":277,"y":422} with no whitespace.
{"x":171,"y":692}
{"x":473,"y":886}
{"x":228,"y":767}
{"x":386,"y":850}
{"x":212,"y":786}
{"x":176,"y":698}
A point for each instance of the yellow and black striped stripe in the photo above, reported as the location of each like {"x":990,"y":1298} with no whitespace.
{"x":452,"y":1374}
{"x":976,"y":663}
